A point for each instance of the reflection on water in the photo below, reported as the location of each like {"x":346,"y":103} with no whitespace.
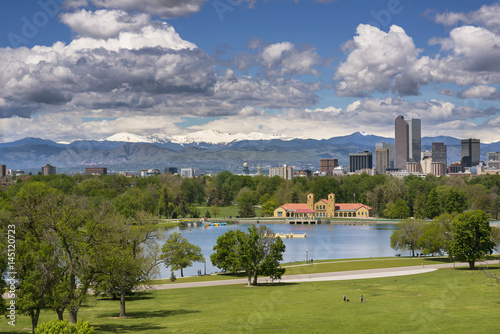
{"x":322,"y":242}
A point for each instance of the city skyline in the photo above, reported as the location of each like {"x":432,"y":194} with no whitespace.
{"x":305,"y":69}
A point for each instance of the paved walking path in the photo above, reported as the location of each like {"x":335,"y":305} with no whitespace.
{"x":332,"y":276}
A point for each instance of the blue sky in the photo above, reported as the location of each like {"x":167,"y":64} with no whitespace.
{"x":88,"y":69}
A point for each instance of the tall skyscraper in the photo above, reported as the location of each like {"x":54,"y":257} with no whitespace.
{"x":3,"y":170}
{"x":439,"y":153}
{"x":400,"y":142}
{"x":414,"y":142}
{"x":362,"y":160}
{"x":407,"y":138}
{"x":471,"y":154}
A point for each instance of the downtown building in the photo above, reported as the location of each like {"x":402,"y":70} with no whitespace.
{"x":407,"y":138}
{"x":328,"y":165}
{"x":285,"y":172}
{"x":96,"y":171}
{"x":439,"y":159}
{"x":190,"y":172}
{"x":48,"y":170}
{"x":471,"y":154}
{"x":384,"y":157}
{"x":493,"y":160}
{"x":358,"y":161}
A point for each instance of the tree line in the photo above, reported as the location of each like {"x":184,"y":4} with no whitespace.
{"x":466,"y":237}
{"x":170,"y":196}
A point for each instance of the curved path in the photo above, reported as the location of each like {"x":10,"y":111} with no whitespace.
{"x":332,"y":276}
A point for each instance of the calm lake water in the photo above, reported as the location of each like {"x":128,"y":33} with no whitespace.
{"x":322,"y":242}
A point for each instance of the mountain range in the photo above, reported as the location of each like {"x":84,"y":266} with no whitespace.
{"x":210,"y":151}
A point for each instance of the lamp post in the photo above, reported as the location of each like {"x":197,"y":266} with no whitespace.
{"x":205,"y":267}
{"x":307,"y":256}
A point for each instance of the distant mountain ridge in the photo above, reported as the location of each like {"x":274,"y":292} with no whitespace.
{"x":220,"y":152}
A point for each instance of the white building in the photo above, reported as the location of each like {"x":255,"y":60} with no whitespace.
{"x":284,"y":172}
{"x":190,"y":172}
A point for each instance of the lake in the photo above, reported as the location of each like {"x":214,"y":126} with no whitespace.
{"x":322,"y":242}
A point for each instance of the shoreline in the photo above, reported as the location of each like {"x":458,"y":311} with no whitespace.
{"x":282,"y":221}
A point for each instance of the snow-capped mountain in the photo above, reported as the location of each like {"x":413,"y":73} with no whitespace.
{"x":218,"y":137}
{"x":206,"y":136}
{"x":127,"y":138}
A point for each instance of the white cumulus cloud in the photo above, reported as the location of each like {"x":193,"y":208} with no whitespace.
{"x":104,"y":24}
{"x":375,"y":59}
{"x":160,"y":8}
{"x":487,"y":16}
{"x":481,"y":91}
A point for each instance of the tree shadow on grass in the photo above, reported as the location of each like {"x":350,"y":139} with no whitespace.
{"x":239,"y":274}
{"x":137,"y":295}
{"x":121,"y":328}
{"x":275,"y":284}
{"x":149,"y":314}
{"x":438,"y":260}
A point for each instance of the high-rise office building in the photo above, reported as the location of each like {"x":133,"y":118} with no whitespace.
{"x":328,"y":165}
{"x":381,"y":160}
{"x":48,"y":170}
{"x":284,"y":172}
{"x":414,"y":140}
{"x":493,"y":160}
{"x":439,"y":153}
{"x":387,"y":146}
{"x":407,"y":138}
{"x":400,"y":142}
{"x":471,"y":152}
{"x":362,"y":160}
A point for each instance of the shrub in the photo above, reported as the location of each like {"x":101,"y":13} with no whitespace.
{"x":64,"y":327}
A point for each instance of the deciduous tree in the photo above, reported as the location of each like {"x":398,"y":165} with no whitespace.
{"x":456,"y":201}
{"x":178,"y":253}
{"x":246,"y":201}
{"x":228,"y":250}
{"x":407,"y":235}
{"x":129,"y":255}
{"x":256,"y":252}
{"x":471,"y":237}
{"x":432,"y":207}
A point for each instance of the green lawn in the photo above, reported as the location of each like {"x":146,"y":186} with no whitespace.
{"x":325,"y":266}
{"x":443,"y":301}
